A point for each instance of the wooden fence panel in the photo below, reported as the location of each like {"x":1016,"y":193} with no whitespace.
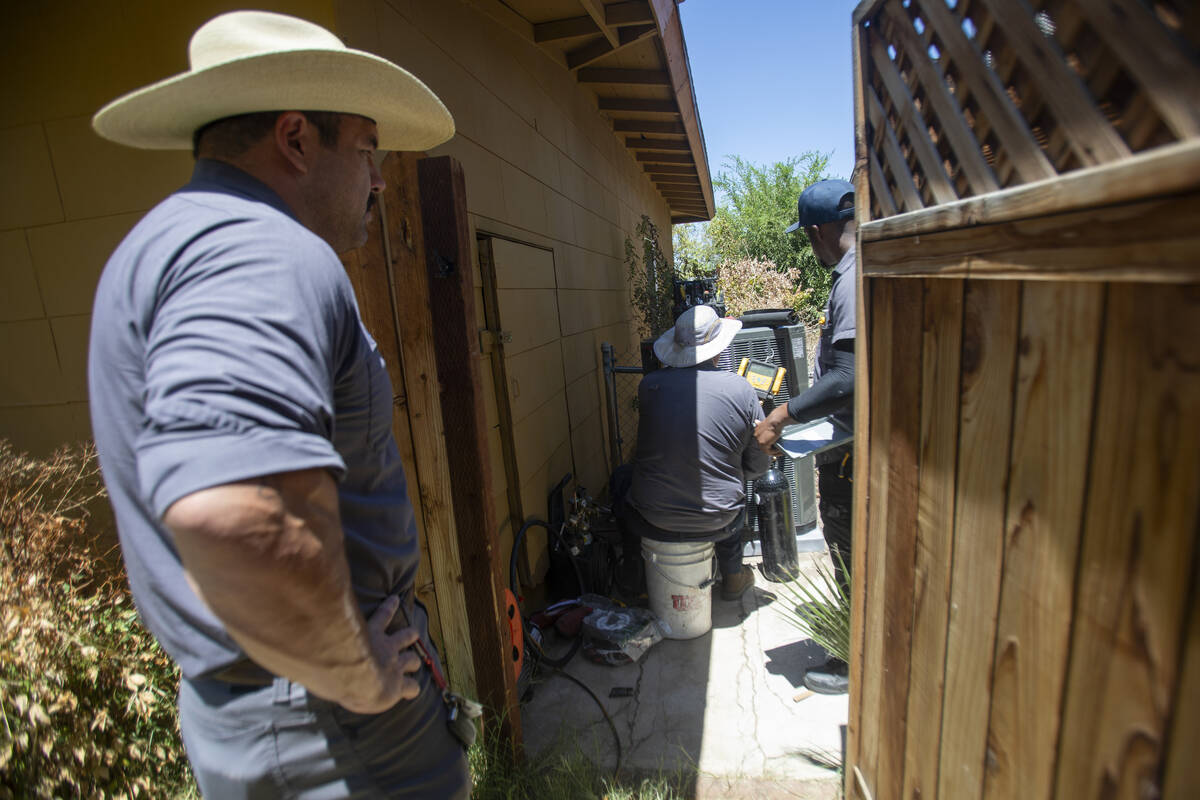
{"x":989,"y":344}
{"x":1052,"y":425}
{"x":940,"y":368}
{"x":1136,"y":569}
{"x":891,"y":541}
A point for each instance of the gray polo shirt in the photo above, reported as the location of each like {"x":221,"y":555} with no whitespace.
{"x":226,"y":344}
{"x":840,"y":323}
{"x":695,"y":448}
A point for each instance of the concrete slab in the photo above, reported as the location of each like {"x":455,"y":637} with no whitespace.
{"x":721,"y":708}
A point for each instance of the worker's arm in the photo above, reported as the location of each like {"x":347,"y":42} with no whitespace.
{"x":266,"y":555}
{"x":832,"y":391}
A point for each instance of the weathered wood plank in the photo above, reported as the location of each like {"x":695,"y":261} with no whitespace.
{"x":1167,"y":73}
{"x":1089,"y":133}
{"x":400,"y":211}
{"x":1151,"y":240}
{"x":989,"y":343}
{"x":901,"y":176}
{"x":1182,"y":773}
{"x":862,"y":417}
{"x":1052,"y":425}
{"x":918,"y":133}
{"x":879,"y":188}
{"x":942,"y":347}
{"x":450,"y":275}
{"x":873,"y":539}
{"x":1137,"y":559}
{"x":962,"y":141}
{"x":900,"y":526}
{"x":1008,"y":125}
{"x":1167,"y":170}
{"x":369,"y":275}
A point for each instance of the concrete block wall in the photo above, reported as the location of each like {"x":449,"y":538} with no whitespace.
{"x":68,"y":197}
{"x":542,"y":167}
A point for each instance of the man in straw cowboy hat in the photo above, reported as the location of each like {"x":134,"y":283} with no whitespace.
{"x":695,"y":446}
{"x":243,"y":419}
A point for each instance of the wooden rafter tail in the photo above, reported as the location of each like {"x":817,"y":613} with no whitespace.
{"x":596,"y":11}
{"x":901,"y":177}
{"x":1007,"y":123}
{"x":918,"y":134}
{"x":647,"y":143}
{"x":1165,"y":71}
{"x":628,"y":13}
{"x":1089,"y":133}
{"x":962,"y":141}
{"x":564,"y":29}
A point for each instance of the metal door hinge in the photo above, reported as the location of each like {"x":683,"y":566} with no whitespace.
{"x":488,"y":339}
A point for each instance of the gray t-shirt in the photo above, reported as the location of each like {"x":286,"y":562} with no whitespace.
{"x":226,"y":344}
{"x":695,"y":448}
{"x":840,"y":323}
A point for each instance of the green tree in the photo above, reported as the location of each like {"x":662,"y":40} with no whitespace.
{"x":759,"y":205}
{"x":693,"y":251}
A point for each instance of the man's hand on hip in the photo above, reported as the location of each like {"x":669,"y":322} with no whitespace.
{"x":395,"y":660}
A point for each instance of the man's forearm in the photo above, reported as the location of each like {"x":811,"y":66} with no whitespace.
{"x":832,"y":391}
{"x":267,"y":557}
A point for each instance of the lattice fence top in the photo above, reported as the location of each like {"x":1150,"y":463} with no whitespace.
{"x":965,"y":97}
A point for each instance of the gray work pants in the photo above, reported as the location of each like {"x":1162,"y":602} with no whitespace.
{"x":279,"y":741}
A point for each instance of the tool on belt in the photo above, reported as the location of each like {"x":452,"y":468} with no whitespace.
{"x":461,"y":712}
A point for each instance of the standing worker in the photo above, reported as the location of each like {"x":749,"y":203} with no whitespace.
{"x":243,"y":419}
{"x":696,"y":447}
{"x":826,"y":216}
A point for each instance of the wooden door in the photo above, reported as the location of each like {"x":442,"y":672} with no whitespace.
{"x":529,"y":425}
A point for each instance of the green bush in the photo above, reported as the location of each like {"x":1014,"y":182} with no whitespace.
{"x":87,"y":697}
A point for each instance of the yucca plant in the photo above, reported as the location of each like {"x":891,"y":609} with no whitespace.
{"x":820,"y":607}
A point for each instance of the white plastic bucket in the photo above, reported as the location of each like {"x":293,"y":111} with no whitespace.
{"x":679,"y":580}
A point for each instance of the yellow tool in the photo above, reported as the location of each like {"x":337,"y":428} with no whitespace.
{"x":766,"y":378}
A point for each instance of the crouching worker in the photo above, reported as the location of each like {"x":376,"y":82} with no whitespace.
{"x":696,"y":446}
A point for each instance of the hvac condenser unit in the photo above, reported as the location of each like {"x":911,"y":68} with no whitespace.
{"x":784,"y":347}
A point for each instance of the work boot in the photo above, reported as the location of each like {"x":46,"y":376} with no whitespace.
{"x":735,"y":585}
{"x":832,"y":677}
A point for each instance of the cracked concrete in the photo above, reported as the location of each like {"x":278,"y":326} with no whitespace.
{"x":720,"y":708}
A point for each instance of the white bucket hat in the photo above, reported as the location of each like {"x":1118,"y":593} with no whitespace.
{"x":248,"y":61}
{"x":699,"y":335}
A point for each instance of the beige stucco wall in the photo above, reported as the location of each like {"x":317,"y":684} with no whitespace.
{"x":541,"y":166}
{"x":67,"y":197}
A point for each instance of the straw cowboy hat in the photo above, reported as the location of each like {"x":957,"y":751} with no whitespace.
{"x":248,"y":61}
{"x":699,"y":335}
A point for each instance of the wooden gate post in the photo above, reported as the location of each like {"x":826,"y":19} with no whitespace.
{"x":456,"y":343}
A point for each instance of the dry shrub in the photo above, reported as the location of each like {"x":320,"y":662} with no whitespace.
{"x":756,"y":283}
{"x":87,"y":698}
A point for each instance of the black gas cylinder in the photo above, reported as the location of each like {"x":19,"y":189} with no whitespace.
{"x":776,"y":531}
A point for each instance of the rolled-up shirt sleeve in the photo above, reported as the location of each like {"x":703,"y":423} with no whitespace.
{"x":242,"y":356}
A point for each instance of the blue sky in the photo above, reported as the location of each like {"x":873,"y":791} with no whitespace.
{"x":773,"y":78}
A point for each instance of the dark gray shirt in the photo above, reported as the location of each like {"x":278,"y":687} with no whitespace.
{"x":226,"y":344}
{"x":840,"y":323}
{"x":695,"y":448}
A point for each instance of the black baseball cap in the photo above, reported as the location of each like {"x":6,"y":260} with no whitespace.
{"x":819,"y":203}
